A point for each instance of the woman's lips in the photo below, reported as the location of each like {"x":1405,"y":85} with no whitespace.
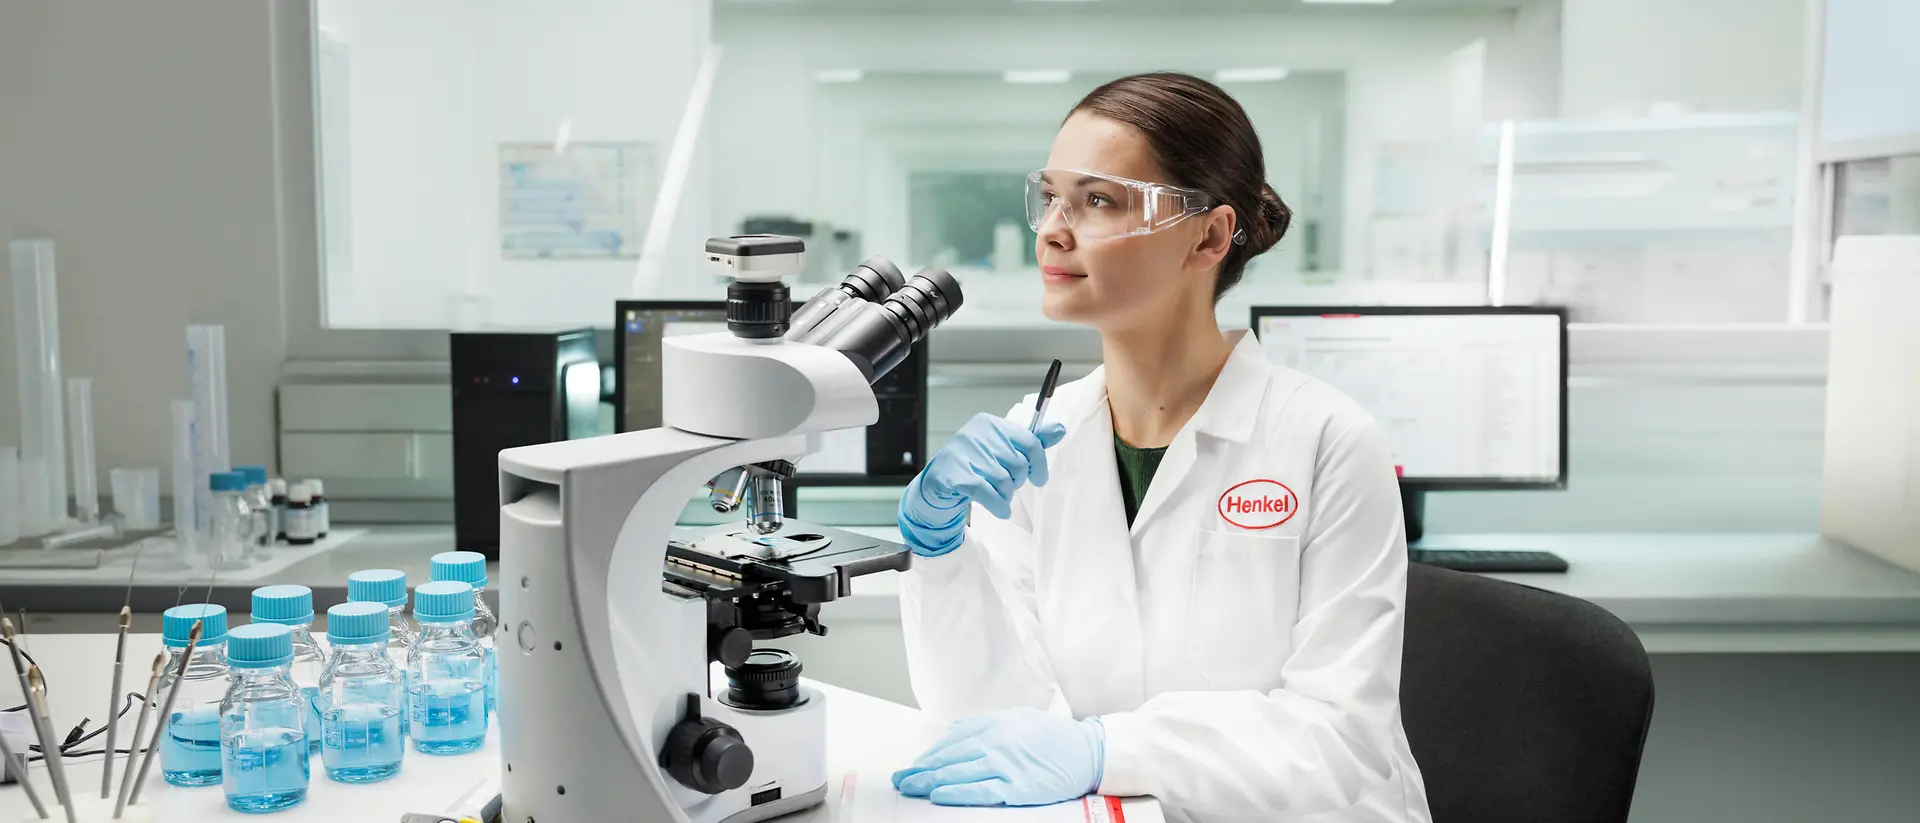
{"x":1056,"y":274}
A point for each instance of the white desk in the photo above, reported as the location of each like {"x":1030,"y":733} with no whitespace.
{"x":866,"y":734}
{"x":1683,"y":593}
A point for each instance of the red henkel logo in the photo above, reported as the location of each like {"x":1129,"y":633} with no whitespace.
{"x":1259,"y":504}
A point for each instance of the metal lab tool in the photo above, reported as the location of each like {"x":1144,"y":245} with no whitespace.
{"x":17,"y":767}
{"x":113,"y":701}
{"x":49,"y":747}
{"x":153,"y":743}
{"x":1046,"y":394}
{"x":119,"y":659}
{"x":139,"y":729}
{"x":42,"y":732}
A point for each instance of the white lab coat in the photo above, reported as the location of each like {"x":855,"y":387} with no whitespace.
{"x":1242,"y":673}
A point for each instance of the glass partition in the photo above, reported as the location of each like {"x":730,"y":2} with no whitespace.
{"x":1685,"y":218}
{"x":496,"y":163}
{"x":491,"y":162}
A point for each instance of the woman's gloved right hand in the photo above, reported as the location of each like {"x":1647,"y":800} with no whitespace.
{"x":986,"y":462}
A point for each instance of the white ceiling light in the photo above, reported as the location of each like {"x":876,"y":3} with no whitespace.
{"x":1348,"y":2}
{"x":1036,"y":75}
{"x":1260,"y":74}
{"x":838,"y":76}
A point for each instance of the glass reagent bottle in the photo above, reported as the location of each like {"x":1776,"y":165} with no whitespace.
{"x":263,"y":738}
{"x":446,"y":672}
{"x":362,"y":697}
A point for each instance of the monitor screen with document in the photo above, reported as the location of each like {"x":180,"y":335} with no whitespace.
{"x":886,"y":453}
{"x":1470,"y":397}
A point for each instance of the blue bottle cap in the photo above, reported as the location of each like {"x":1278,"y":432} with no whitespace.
{"x":227,"y":482}
{"x":444,"y":601}
{"x":466,"y":567}
{"x":358,"y":623}
{"x":285,"y":605}
{"x":255,"y":475}
{"x":259,"y":646}
{"x":387,"y":586}
{"x":176,"y":624}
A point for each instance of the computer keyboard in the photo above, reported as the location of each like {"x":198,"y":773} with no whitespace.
{"x":1477,"y":560}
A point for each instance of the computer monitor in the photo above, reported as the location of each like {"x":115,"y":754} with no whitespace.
{"x":889,"y":452}
{"x":1470,"y":397}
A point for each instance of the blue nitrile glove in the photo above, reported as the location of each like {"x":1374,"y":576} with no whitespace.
{"x":986,"y":462}
{"x":1017,"y":757}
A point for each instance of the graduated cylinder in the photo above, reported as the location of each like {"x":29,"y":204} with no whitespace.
{"x":43,"y":453}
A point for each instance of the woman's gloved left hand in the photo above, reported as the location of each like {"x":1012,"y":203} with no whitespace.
{"x":1018,"y":757}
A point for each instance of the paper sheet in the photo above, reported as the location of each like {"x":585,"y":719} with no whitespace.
{"x":869,"y":797}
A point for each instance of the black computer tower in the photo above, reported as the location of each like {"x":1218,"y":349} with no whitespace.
{"x":510,"y":389}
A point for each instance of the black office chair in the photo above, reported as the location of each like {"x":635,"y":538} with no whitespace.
{"x":1521,"y":704}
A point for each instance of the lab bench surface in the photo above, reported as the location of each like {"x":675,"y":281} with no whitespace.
{"x":865,"y":735}
{"x":1682,"y":593}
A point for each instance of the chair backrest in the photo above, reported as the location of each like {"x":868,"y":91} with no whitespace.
{"x":1521,"y":704}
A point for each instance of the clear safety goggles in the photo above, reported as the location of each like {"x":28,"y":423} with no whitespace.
{"x":1102,"y":206}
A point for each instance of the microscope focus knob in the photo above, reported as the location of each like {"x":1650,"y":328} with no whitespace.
{"x":730,"y":646}
{"x":707,"y":755}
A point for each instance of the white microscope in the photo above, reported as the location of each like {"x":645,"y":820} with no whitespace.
{"x":611,"y":616}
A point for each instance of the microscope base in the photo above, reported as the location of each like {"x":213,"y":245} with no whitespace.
{"x":785,"y":805}
{"x":789,"y":753}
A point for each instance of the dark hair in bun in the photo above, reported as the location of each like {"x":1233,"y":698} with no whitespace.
{"x":1202,"y":137}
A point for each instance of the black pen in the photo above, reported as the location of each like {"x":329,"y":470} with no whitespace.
{"x":1046,"y":393}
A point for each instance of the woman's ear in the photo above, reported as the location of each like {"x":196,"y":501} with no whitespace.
{"x":1216,"y":238}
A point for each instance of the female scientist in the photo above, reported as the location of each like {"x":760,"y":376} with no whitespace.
{"x":1206,"y":603}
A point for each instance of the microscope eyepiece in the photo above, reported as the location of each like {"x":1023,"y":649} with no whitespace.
{"x":877,"y":336}
{"x":926,"y":301}
{"x":873,"y":281}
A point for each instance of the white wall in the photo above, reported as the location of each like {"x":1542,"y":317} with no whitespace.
{"x":1621,"y":56}
{"x":1397,"y":85}
{"x":438,"y":85}
{"x":140,"y":138}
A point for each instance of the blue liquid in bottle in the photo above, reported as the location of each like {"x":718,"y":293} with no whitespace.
{"x":399,"y":645}
{"x":292,"y":606}
{"x":446,"y":672}
{"x":449,"y":716}
{"x":363,"y":742}
{"x":191,"y":690}
{"x":362,"y":698}
{"x":313,"y":727}
{"x":190,"y":750}
{"x":485,"y":625}
{"x":266,"y":769}
{"x":263,"y":733}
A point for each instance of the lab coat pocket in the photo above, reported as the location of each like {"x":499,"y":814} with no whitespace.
{"x":1246,"y":590}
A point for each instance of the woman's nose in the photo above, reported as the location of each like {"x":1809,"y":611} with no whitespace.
{"x":1054,"y":230}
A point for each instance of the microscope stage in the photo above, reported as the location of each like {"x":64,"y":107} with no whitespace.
{"x":810,"y":563}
